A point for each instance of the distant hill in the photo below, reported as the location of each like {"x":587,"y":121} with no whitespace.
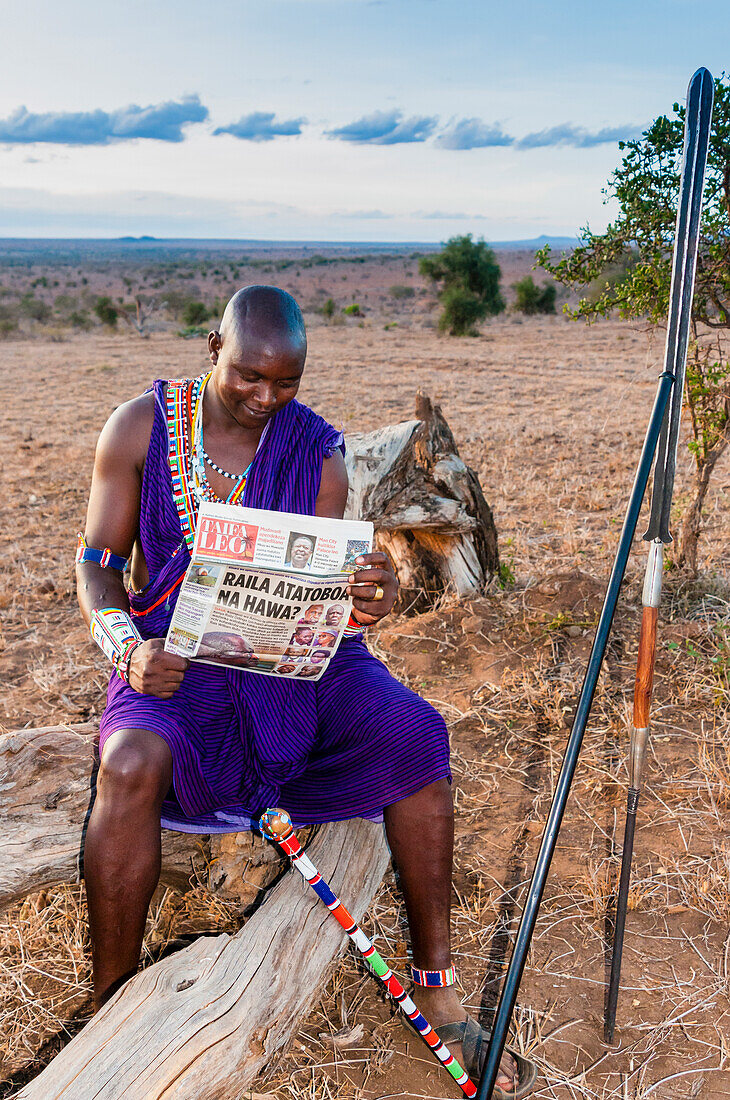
{"x":534,"y":243}
{"x":25,"y":250}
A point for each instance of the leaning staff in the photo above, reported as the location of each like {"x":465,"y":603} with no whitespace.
{"x":696,"y":139}
{"x":699,"y":109}
{"x":276,"y":826}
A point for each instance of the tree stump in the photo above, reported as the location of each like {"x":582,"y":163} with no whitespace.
{"x":428,"y":507}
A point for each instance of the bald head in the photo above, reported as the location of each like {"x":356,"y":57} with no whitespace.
{"x":264,"y":315}
{"x":258,"y":355}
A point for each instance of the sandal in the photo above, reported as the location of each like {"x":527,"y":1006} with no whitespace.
{"x":474,"y":1043}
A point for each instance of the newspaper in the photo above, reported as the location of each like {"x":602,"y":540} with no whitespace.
{"x":267,"y":591}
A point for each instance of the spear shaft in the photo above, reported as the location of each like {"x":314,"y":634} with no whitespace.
{"x":664,"y":422}
{"x":276,"y":826}
{"x":513,"y":977}
{"x":698,"y":119}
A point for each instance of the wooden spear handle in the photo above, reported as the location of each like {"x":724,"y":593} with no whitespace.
{"x":645,"y":668}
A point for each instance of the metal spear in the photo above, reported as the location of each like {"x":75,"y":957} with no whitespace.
{"x":680,"y":305}
{"x":696,"y":140}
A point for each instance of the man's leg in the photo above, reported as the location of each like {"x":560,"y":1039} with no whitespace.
{"x":420,"y":832}
{"x":122,"y":855}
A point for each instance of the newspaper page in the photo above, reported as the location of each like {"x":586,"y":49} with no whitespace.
{"x":267,"y":591}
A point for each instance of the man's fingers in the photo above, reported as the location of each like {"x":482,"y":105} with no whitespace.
{"x":370,"y":576}
{"x":171,"y":662}
{"x":376,"y":558}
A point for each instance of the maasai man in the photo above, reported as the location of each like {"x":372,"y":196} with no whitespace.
{"x":202,"y":748}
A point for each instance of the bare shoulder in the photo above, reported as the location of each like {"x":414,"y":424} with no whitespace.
{"x":332,"y":495}
{"x":125,"y":437}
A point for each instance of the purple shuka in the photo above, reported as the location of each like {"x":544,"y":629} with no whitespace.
{"x":346,"y":746}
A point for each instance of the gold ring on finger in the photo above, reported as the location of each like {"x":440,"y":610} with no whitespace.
{"x":379,"y":592}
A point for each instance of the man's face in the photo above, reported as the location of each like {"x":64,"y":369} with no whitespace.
{"x":313,"y":613}
{"x":303,"y":635}
{"x":254,"y":377}
{"x":301,"y":552}
{"x":334,"y":614}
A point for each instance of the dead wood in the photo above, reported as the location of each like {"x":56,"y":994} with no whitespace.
{"x":427,"y":505}
{"x":46,"y":794}
{"x":201,"y":1024}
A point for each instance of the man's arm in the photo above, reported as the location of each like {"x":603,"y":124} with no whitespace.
{"x":376,"y":570}
{"x":112,"y":522}
{"x":112,"y":518}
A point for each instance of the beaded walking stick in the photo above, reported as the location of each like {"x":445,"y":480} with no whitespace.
{"x":276,"y":826}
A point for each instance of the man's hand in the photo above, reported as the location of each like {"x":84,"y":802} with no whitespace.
{"x":376,"y":572}
{"x":154,"y":672}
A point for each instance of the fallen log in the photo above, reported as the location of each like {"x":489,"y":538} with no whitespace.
{"x":47,"y":790}
{"x":201,"y":1024}
{"x":427,"y":506}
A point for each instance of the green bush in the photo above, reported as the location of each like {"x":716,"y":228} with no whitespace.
{"x":613,"y":277}
{"x":532,"y":298}
{"x":469,"y":275}
{"x":462,"y":309}
{"x":194,"y":313}
{"x":400,"y":291}
{"x":353,"y":310}
{"x":106,"y":311}
{"x":329,"y":307}
{"x":35,"y":308}
{"x":193,"y":330}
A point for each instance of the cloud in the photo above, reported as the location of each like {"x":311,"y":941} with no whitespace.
{"x":472,"y":133}
{"x":386,"y":128}
{"x":449,"y":216}
{"x":159,"y":122}
{"x":364,"y":215}
{"x":260,"y":126}
{"x":568,"y":134}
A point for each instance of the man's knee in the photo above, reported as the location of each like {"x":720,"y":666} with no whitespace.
{"x":136,"y":765}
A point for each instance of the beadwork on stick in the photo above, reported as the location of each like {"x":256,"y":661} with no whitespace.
{"x":276,"y":826}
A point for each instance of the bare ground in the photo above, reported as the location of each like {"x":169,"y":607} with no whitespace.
{"x":552,"y":417}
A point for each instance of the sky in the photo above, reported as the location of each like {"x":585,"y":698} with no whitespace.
{"x":339,"y":120}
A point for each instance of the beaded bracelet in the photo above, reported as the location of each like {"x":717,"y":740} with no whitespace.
{"x":353,"y":627}
{"x":435,"y":978}
{"x":105,"y":558}
{"x":117,"y":637}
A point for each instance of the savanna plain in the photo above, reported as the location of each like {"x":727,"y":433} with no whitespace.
{"x":551,"y":414}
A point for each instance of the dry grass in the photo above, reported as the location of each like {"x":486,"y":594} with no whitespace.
{"x":505,"y":670}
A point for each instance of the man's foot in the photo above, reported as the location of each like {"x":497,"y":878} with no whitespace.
{"x":441,"y":1005}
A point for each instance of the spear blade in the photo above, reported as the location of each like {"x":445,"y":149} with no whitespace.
{"x":698,"y":117}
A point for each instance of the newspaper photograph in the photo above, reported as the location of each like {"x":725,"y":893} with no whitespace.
{"x":267,"y":591}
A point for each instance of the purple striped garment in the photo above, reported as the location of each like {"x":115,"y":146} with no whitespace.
{"x":346,"y":746}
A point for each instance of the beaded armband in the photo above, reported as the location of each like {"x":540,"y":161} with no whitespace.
{"x":117,"y":637}
{"x":433,"y":977}
{"x":353,"y":627}
{"x":104,"y":557}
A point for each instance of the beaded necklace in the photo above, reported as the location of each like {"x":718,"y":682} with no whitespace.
{"x":219,"y":470}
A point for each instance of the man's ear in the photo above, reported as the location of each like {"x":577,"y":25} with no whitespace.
{"x":214,"y":346}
